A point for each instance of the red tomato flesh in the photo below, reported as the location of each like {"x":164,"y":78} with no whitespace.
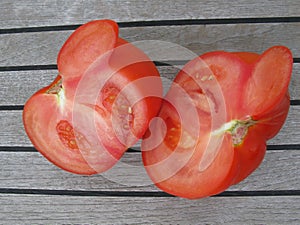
{"x":241,"y":100}
{"x":96,"y":108}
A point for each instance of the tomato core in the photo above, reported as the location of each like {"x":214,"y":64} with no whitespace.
{"x":55,"y":87}
{"x":238,"y":130}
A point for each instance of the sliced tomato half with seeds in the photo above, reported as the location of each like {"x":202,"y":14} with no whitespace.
{"x":241,"y":100}
{"x":97,"y":106}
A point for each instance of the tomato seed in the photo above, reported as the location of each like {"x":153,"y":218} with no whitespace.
{"x":129,"y":110}
{"x":126,"y":127}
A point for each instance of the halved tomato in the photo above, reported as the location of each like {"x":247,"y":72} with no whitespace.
{"x":98,"y":105}
{"x":216,"y":119}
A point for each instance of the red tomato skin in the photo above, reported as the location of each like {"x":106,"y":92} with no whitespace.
{"x":268,"y":122}
{"x":247,"y":57}
{"x":189,"y":183}
{"x":251,"y":152}
{"x":45,"y":109}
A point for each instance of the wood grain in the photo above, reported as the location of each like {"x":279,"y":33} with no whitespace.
{"x":41,"y":48}
{"x":18,"y":86}
{"x":35,"y":209}
{"x":12,"y":132}
{"x":280,"y":170}
{"x":51,"y":12}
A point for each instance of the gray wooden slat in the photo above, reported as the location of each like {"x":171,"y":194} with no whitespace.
{"x":42,"y":47}
{"x":38,"y":209}
{"x":18,"y":86}
{"x":270,"y":176}
{"x":290,"y":132}
{"x":52,"y":12}
{"x":231,"y":37}
{"x":12,"y":132}
{"x":294,"y":86}
{"x":280,"y":170}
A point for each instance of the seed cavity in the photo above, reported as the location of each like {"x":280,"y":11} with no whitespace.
{"x":71,"y":138}
{"x":109,"y":95}
{"x":186,"y":141}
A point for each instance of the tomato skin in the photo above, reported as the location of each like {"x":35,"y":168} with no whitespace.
{"x":225,"y":154}
{"x":247,"y":57}
{"x":250,"y":154}
{"x":74,"y":121}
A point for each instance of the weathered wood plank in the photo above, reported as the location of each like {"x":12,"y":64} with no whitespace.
{"x":204,"y":38}
{"x":42,"y":47}
{"x":37,"y":209}
{"x":294,"y":86}
{"x":290,"y":132}
{"x":280,"y":170}
{"x":51,"y":12}
{"x":12,"y":132}
{"x":17,"y":86}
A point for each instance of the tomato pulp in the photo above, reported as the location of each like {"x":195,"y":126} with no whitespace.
{"x":98,"y":105}
{"x":215,"y":120}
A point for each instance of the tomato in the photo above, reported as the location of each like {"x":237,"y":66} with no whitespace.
{"x":98,"y":105}
{"x":215,"y":120}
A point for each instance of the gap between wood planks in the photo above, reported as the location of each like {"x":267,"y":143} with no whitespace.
{"x":143,"y":193}
{"x":135,"y":150}
{"x":160,"y":23}
{"x":54,"y":66}
{"x":21,"y":107}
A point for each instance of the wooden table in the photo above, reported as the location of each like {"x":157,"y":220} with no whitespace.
{"x":33,"y":191}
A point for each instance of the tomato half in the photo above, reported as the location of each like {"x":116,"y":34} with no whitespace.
{"x":216,"y":119}
{"x":98,"y":105}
